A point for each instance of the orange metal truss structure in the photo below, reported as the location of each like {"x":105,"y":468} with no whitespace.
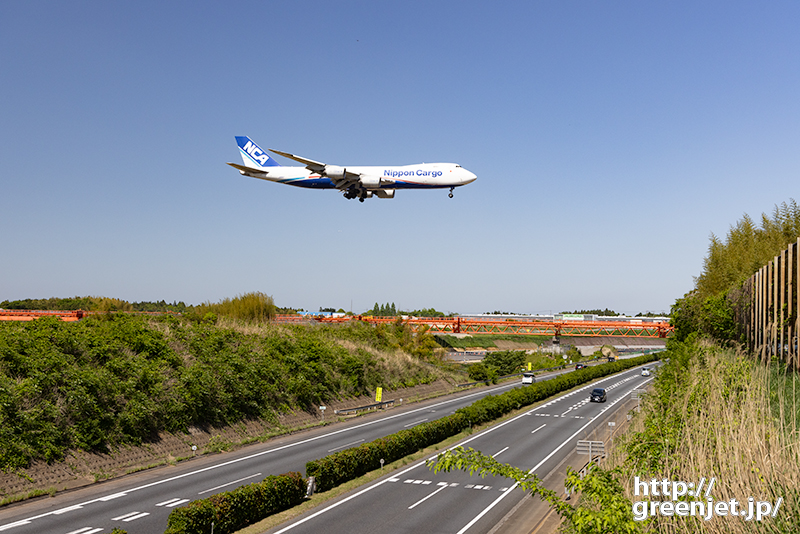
{"x":443,"y":325}
{"x":30,"y":315}
{"x":457,"y":325}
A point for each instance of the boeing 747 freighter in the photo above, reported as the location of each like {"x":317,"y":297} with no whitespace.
{"x":354,"y":182}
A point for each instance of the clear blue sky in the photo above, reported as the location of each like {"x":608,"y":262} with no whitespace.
{"x":610,"y":140}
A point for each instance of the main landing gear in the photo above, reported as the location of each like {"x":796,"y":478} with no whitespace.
{"x":353,"y":192}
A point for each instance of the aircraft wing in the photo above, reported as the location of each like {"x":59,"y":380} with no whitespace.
{"x":340,"y":176}
{"x":247,"y":170}
{"x":313,"y":166}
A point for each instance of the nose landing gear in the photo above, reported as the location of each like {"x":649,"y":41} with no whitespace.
{"x":450,"y":194}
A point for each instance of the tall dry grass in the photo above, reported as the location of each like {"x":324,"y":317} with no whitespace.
{"x":254,"y":307}
{"x":734,"y":420}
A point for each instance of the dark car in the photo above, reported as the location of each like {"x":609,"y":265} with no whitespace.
{"x":580,"y":366}
{"x":598,"y":395}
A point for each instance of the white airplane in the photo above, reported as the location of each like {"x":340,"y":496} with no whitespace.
{"x":355,"y":182}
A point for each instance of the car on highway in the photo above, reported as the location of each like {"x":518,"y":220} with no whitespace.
{"x":528,"y":378}
{"x":646,"y":371}
{"x":580,"y":366}
{"x":598,"y":395}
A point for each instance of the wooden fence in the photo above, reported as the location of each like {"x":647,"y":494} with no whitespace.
{"x":767,"y":310}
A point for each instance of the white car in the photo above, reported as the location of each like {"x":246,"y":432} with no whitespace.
{"x":646,"y":371}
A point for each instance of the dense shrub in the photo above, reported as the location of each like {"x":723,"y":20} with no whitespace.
{"x":121,"y":379}
{"x":233,"y":510}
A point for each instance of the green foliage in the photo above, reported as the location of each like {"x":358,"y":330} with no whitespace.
{"x":119,"y":379}
{"x":53,"y":303}
{"x":487,"y":340}
{"x":480,"y":372}
{"x":93,"y":304}
{"x":709,"y":309}
{"x":231,"y":511}
{"x":428,"y":312}
{"x":506,"y":362}
{"x":747,"y":248}
{"x":340,"y":467}
{"x":711,"y":316}
{"x":602,"y":509}
{"x":252,"y":307}
{"x":384,"y":310}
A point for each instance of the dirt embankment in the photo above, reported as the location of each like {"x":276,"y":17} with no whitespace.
{"x":81,"y":468}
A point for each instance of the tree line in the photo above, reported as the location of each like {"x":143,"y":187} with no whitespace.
{"x":709,"y":308}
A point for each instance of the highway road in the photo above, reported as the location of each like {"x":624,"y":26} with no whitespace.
{"x":141,"y":503}
{"x":416,"y":500}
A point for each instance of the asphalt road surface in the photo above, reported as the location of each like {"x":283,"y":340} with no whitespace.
{"x":416,"y":500}
{"x":141,"y":503}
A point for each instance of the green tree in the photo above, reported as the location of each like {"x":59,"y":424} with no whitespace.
{"x":602,"y":507}
{"x":506,"y":362}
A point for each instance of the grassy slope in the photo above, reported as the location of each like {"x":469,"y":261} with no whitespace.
{"x":121,"y":379}
{"x":716,"y":413}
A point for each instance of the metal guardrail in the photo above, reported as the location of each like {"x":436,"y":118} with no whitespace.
{"x":366,"y":408}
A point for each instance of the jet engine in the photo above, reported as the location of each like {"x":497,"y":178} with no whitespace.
{"x":335,"y":172}
{"x":384,"y":193}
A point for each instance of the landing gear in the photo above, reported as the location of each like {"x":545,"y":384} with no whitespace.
{"x":351,"y":193}
{"x":450,"y":194}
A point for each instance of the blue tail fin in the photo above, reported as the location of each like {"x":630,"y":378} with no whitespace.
{"x":252,"y":155}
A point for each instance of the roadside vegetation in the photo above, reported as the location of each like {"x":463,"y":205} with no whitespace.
{"x":714,"y":411}
{"x":116,"y":379}
{"x":709,"y":309}
{"x":486,"y":341}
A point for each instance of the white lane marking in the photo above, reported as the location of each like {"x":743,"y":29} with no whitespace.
{"x":426,"y":460}
{"x":537,"y":466}
{"x":262,"y":453}
{"x":123,"y":517}
{"x":167,"y":503}
{"x":109,"y":497}
{"x":16,"y":524}
{"x":229,"y":483}
{"x":68,"y":509}
{"x":173,"y":502}
{"x":345,"y":446}
{"x":135,"y":517}
{"x":414,"y":423}
{"x":429,"y":496}
{"x":541,"y":427}
{"x":86,"y":530}
{"x":498,"y":453}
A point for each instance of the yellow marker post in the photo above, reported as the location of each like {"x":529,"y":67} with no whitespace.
{"x":529,"y":366}
{"x":378,"y":394}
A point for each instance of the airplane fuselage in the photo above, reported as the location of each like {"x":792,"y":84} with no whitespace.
{"x":420,"y":176}
{"x":354,"y":182}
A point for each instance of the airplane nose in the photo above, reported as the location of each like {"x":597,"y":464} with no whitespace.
{"x":470,"y":177}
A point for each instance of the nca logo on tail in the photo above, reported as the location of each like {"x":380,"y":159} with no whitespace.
{"x":359,"y":182}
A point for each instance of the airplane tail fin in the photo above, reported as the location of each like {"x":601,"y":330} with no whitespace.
{"x":253,"y":156}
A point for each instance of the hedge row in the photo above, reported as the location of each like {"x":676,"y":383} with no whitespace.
{"x":337,"y":468}
{"x":233,"y":510}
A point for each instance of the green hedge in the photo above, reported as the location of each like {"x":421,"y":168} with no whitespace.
{"x":233,"y":510}
{"x":349,"y":464}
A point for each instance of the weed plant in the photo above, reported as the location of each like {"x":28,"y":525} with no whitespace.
{"x":717,"y":413}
